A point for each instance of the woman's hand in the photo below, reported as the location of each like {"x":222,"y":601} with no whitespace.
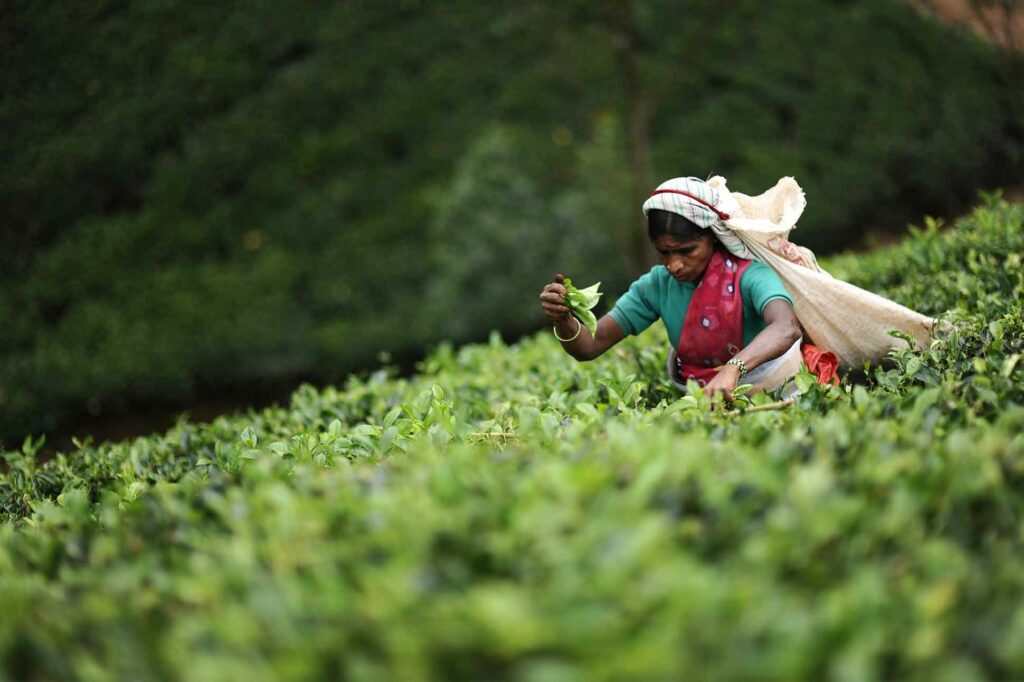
{"x":552,"y":300}
{"x":581,"y":345}
{"x":724,"y":382}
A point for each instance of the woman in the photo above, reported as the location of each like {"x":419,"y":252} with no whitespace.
{"x":725,"y":316}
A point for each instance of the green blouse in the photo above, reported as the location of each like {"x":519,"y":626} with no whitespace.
{"x":657,"y":294}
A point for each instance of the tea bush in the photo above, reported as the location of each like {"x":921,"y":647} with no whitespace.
{"x":508,"y":513}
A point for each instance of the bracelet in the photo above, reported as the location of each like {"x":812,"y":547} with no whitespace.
{"x":739,"y":363}
{"x":579,"y":328}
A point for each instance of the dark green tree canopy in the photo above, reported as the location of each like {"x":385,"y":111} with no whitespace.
{"x":198,"y":194}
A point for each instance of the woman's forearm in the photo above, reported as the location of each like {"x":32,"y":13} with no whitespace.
{"x":782,"y":331}
{"x":580,"y":346}
{"x":586,"y":346}
{"x":773,"y":341}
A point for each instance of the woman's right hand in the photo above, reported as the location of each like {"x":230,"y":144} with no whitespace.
{"x":552,"y":300}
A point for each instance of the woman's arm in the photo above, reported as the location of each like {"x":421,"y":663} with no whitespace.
{"x":782,"y":332}
{"x":584,"y":346}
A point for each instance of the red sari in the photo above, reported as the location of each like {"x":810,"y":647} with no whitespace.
{"x":713,"y":328}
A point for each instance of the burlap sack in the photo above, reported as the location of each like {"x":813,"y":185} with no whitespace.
{"x":835,"y":315}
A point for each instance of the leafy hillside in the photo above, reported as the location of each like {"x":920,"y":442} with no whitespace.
{"x":510,"y":514}
{"x":206,"y":195}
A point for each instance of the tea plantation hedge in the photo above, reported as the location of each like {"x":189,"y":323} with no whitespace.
{"x":508,"y":513}
{"x":198,"y":195}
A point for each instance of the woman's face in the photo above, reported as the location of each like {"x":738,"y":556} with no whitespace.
{"x":685,"y":259}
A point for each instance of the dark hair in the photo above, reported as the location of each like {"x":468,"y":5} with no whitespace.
{"x":661,"y":222}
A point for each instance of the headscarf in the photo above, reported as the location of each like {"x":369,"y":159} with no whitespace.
{"x":701,"y":204}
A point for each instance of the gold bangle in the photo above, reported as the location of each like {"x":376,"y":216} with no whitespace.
{"x":579,"y":328}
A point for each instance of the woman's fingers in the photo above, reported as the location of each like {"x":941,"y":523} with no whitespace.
{"x":559,"y":310}
{"x":553,"y":304}
{"x":552,"y":297}
{"x":556,"y":288}
{"x":555,"y":312}
{"x":719,"y":399}
{"x":552,"y":300}
{"x":714,"y":388}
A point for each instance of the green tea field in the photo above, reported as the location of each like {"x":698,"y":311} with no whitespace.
{"x":510,"y":514}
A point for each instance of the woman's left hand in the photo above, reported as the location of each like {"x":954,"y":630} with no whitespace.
{"x":724,"y":382}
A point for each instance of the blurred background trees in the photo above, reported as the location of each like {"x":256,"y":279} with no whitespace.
{"x":1000,"y":22}
{"x":200,"y":199}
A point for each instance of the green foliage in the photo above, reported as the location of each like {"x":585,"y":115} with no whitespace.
{"x":495,"y":236}
{"x":581,"y":302}
{"x":509,"y":513}
{"x":198,"y":196}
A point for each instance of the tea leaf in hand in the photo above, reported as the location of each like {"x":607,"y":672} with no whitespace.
{"x":581,"y":301}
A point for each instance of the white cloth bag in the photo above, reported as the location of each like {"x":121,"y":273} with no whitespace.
{"x":835,"y":315}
